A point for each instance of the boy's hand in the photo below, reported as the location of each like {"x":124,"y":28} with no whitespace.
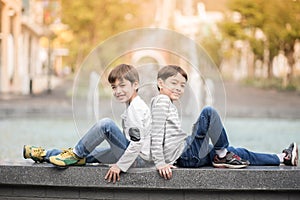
{"x":113,"y":174}
{"x":166,"y":171}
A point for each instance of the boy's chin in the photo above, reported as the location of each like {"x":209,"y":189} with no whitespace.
{"x":122,"y":101}
{"x":175,"y":98}
{"x":126,"y":101}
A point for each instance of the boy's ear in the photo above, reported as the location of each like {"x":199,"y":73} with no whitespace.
{"x":136,"y":85}
{"x":160,"y":83}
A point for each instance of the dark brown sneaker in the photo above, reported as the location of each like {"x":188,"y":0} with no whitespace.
{"x":291,"y":155}
{"x":230,"y":161}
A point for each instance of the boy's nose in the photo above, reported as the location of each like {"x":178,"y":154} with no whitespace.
{"x":118,"y":90}
{"x":178,"y":88}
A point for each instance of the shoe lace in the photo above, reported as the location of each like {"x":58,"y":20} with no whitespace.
{"x":67,"y":153}
{"x":287,"y":153}
{"x":37,"y":152}
{"x":287,"y":156}
{"x":236,"y":157}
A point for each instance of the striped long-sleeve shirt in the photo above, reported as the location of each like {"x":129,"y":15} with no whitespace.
{"x":167,"y":137}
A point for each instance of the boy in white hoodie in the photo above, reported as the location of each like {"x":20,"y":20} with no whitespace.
{"x":127,"y":148}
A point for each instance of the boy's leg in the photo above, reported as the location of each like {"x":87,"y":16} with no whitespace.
{"x":191,"y":155}
{"x":209,"y":125}
{"x":256,"y":158}
{"x":102,"y":155}
{"x":105,"y":129}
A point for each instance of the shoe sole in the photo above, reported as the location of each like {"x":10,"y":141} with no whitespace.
{"x":65,"y":166}
{"x":229,"y":166}
{"x":24,"y":152}
{"x":294,"y":160}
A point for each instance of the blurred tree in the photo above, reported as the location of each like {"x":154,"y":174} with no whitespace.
{"x":277,"y":19}
{"x":212,"y":45}
{"x":282,"y":27}
{"x":91,"y":22}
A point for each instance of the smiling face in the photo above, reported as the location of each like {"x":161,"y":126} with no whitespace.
{"x":124,"y":81}
{"x":124,"y":90}
{"x":173,"y":86}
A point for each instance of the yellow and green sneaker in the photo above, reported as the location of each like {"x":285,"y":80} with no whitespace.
{"x":35,"y":153}
{"x":67,"y":158}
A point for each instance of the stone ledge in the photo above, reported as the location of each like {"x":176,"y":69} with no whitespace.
{"x":266,"y":178}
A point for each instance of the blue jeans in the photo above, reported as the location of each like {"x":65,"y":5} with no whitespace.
{"x":105,"y":129}
{"x":198,"y":152}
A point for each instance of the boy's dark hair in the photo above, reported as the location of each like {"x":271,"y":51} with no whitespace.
{"x":171,"y":70}
{"x":123,"y":71}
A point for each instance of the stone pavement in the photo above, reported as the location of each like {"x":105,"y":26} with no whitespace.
{"x":44,"y":181}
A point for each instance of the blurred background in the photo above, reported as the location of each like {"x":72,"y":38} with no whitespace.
{"x":255,"y":45}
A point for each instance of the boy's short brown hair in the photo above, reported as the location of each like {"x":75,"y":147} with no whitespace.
{"x":123,"y":71}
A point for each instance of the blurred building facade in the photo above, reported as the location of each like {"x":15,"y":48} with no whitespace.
{"x":11,"y":11}
{"x":27,"y":57}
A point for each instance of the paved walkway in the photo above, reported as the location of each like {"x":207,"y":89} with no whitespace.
{"x":242,"y":101}
{"x":57,"y":102}
{"x":254,"y":102}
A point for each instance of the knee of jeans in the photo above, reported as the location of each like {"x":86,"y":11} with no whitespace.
{"x":203,"y":123}
{"x":207,"y":109}
{"x":104,"y":123}
{"x":210,"y":113}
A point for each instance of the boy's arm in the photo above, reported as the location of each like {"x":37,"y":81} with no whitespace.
{"x":159,"y":112}
{"x":138,"y":132}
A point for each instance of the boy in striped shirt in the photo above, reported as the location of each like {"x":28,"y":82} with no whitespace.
{"x":171,"y":146}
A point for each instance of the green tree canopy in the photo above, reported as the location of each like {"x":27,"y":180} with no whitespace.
{"x":278,"y":20}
